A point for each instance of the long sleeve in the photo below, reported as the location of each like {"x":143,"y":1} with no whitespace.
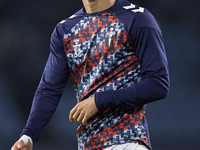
{"x":50,"y":89}
{"x":154,"y":85}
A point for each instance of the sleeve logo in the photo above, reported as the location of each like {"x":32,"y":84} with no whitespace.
{"x":134,"y":9}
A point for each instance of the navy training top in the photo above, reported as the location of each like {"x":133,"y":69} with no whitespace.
{"x":118,"y":56}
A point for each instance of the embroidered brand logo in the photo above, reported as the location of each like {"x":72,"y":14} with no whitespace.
{"x":77,"y":50}
{"x":134,"y":9}
{"x":110,"y":34}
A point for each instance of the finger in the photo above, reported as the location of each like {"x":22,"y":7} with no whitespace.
{"x":84,"y":120}
{"x":15,"y":146}
{"x":76,"y":115}
{"x":80,"y":118}
{"x":72,"y":113}
{"x":20,"y":144}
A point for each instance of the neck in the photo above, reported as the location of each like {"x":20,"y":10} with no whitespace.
{"x":94,"y":6}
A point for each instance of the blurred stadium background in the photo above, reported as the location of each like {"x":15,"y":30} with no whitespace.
{"x":25,"y":29}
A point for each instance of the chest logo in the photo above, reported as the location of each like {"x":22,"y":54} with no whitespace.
{"x":77,"y":49}
{"x":110,"y":34}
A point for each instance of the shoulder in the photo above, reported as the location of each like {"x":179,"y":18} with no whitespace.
{"x":134,"y":16}
{"x":65,"y":25}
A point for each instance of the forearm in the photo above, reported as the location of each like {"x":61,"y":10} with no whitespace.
{"x":148,"y":90}
{"x":44,"y":105}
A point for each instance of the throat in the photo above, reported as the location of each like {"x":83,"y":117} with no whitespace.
{"x":94,"y":6}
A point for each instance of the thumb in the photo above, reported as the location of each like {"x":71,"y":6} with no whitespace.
{"x":20,"y":144}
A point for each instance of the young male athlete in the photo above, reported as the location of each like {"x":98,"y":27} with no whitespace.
{"x":115,"y":54}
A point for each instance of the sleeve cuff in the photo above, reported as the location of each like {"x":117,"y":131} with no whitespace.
{"x":25,"y":139}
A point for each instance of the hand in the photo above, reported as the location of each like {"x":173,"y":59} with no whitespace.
{"x":83,"y":111}
{"x":20,"y":145}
